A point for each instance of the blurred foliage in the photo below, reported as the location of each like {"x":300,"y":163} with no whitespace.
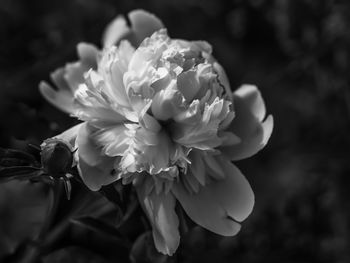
{"x":296,"y":51}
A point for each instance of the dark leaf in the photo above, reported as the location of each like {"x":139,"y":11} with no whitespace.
{"x":99,"y":237}
{"x":24,"y":208}
{"x":74,"y":254}
{"x":117,"y":196}
{"x":99,"y":226}
{"x":113,"y":195}
{"x":18,"y":173}
{"x":11,"y":161}
{"x":11,"y":157}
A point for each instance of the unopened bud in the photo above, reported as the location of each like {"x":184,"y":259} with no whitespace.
{"x":56,"y":157}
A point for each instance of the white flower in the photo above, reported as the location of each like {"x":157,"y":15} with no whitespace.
{"x":159,"y":112}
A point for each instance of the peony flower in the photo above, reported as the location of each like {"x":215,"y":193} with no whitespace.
{"x":159,"y":113}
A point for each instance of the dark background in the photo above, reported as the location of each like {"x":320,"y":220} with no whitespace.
{"x":295,"y":51}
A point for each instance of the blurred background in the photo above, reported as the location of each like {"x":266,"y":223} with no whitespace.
{"x":295,"y":51}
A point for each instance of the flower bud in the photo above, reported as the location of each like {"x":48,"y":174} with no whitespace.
{"x":56,"y":157}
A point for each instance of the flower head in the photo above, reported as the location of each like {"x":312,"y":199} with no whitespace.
{"x":159,"y":112}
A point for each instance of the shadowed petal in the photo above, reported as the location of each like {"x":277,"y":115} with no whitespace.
{"x":70,"y":135}
{"x":160,"y":210}
{"x":94,"y":168}
{"x":62,"y":99}
{"x":68,"y":78}
{"x":221,"y":203}
{"x":253,"y":99}
{"x":143,"y":24}
{"x":247,"y":125}
{"x":88,"y":54}
{"x":115,"y":31}
{"x":222,"y":77}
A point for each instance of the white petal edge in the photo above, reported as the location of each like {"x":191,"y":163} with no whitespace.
{"x":221,"y":204}
{"x":70,"y":135}
{"x":248,"y":124}
{"x":160,"y":210}
{"x":94,"y":168}
{"x":61,"y":99}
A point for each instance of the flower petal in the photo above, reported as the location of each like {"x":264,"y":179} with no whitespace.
{"x":74,"y":74}
{"x":114,"y":140}
{"x":68,"y":78}
{"x":62,"y":99}
{"x":202,"y":134}
{"x":188,"y":84}
{"x":115,"y":31}
{"x":93,"y":103}
{"x":221,"y":203}
{"x":254,"y":134}
{"x":160,"y":210}
{"x":70,"y":135}
{"x":223,"y":79}
{"x":143,"y":24}
{"x":88,"y":54}
{"x":253,"y":98}
{"x":112,"y":66}
{"x":95,"y":168}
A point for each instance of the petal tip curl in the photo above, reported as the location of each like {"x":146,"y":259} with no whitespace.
{"x":253,"y":96}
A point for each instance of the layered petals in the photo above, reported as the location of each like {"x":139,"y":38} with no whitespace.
{"x":202,"y":133}
{"x":160,"y":210}
{"x":68,"y":79}
{"x":249,"y":124}
{"x":93,"y":103}
{"x":159,"y":113}
{"x":221,"y":204}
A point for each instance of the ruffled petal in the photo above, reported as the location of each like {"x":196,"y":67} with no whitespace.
{"x":223,"y":79}
{"x":94,"y":168}
{"x":220,"y":204}
{"x":248,"y":124}
{"x":93,"y":103}
{"x":68,"y":78}
{"x":114,"y":140}
{"x":112,"y":66}
{"x":160,"y":210}
{"x":203,"y":134}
